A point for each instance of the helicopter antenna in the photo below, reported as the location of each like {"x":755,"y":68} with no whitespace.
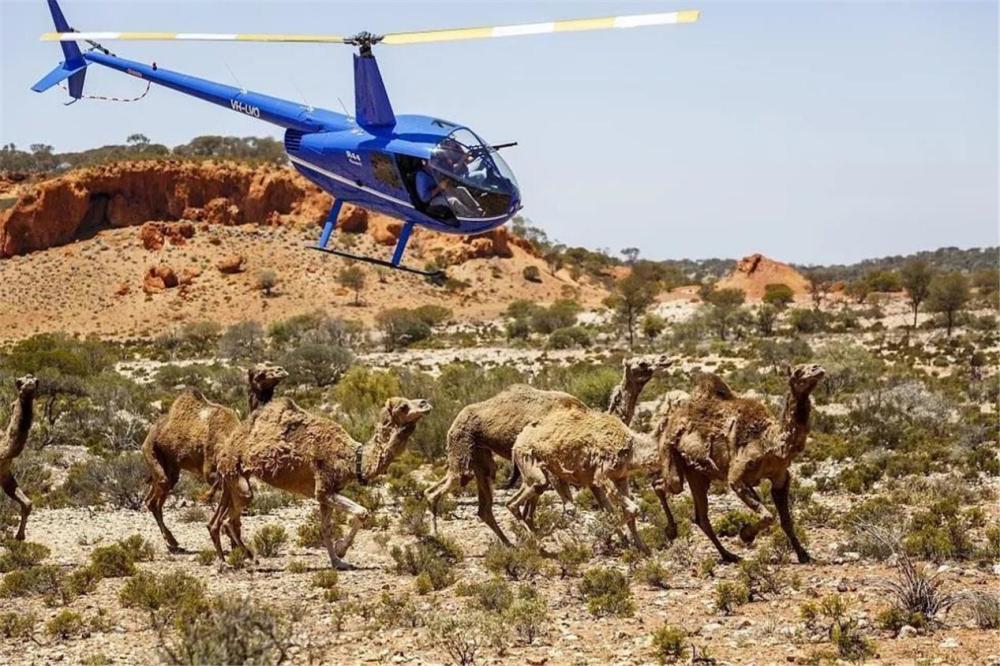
{"x":309,"y":107}
{"x":236,"y":78}
{"x":344,"y":107}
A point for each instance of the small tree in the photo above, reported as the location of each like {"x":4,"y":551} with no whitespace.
{"x":764,"y":318}
{"x":631,"y":296}
{"x":916,"y":276}
{"x":819,"y":285}
{"x":725,"y":304}
{"x":948,"y":295}
{"x":653,"y":325}
{"x":630,"y":254}
{"x":353,"y":278}
{"x":778,"y":294}
{"x":267,"y":280}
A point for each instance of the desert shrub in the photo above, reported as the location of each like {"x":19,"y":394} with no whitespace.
{"x":521,"y":562}
{"x":568,"y":338}
{"x":268,"y":540}
{"x":316,"y":364}
{"x":985,"y":609}
{"x":17,"y":625}
{"x":526,"y":616}
{"x":759,"y":578}
{"x":432,"y":315}
{"x":843,"y":630}
{"x":310,"y":532}
{"x":327,"y":581}
{"x":66,"y":624}
{"x":494,"y":595}
{"x":653,"y":573}
{"x":245,"y":341}
{"x":893,"y":619}
{"x":860,"y":477}
{"x":532,"y":274}
{"x":238,"y":558}
{"x":206,"y":557}
{"x":46,"y":580}
{"x":169,"y":593}
{"x":431,"y":560}
{"x":120,"y":480}
{"x":915,"y":592}
{"x":194,"y":514}
{"x":462,"y":635}
{"x":397,"y":610}
{"x":413,"y":517}
{"x":401,"y":327}
{"x":943,"y":531}
{"x":607,"y":592}
{"x":591,"y":384}
{"x":730,"y":524}
{"x":669,"y":644}
{"x":230,"y":631}
{"x":571,"y":556}
{"x":729,"y":595}
{"x":118,"y":560}
{"x":22,"y":554}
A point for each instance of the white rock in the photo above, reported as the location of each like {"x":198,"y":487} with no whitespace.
{"x":949,"y":643}
{"x":906,"y":631}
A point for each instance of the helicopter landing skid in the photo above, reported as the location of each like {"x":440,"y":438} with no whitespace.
{"x":435,"y":276}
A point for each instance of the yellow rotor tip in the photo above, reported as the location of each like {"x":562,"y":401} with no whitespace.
{"x":688,"y":16}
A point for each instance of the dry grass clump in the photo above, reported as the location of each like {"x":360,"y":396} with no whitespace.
{"x":670,"y":644}
{"x":118,"y":560}
{"x":65,"y":625}
{"x":521,"y":562}
{"x":607,"y":592}
{"x":18,"y":626}
{"x":22,"y":554}
{"x":831,"y":615}
{"x":431,"y":560}
{"x":268,"y":540}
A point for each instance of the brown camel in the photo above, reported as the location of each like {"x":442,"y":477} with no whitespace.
{"x":738,"y":441}
{"x":484,"y":429}
{"x":185,"y":438}
{"x":586,"y":449}
{"x":286,"y":447}
{"x":21,"y":412}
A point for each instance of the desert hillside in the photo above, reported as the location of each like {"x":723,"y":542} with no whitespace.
{"x":129,"y":250}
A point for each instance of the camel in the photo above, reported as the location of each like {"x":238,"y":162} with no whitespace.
{"x":723,"y":438}
{"x":484,"y":429}
{"x":288,"y":448}
{"x":186,"y":437}
{"x":21,"y":412}
{"x":586,"y":449}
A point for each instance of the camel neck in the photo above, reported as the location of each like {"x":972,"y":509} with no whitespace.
{"x":20,"y":423}
{"x":795,"y":419}
{"x":259,"y":398}
{"x":387,"y":442}
{"x":624,"y":398}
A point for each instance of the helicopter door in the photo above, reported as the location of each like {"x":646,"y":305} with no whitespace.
{"x":414,"y":171}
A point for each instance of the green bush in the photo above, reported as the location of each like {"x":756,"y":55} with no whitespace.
{"x":118,"y":560}
{"x":653,"y":573}
{"x":669,"y":644}
{"x":17,"y":625}
{"x":268,"y":540}
{"x":44,"y":579}
{"x":66,"y":624}
{"x":230,"y":631}
{"x":173,"y":593}
{"x":729,"y":595}
{"x":607,"y":592}
{"x":730,"y":524}
{"x":571,"y":556}
{"x":521,"y":562}
{"x":526,"y":616}
{"x":431,"y":560}
{"x":22,"y":554}
{"x":568,"y":338}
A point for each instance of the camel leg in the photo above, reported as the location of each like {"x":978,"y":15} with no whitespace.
{"x":217,"y":519}
{"x":779,"y":493}
{"x":165,"y":477}
{"x":602,"y":500}
{"x":358,"y":515}
{"x":484,"y":469}
{"x":750,"y":497}
{"x":451,"y":482}
{"x":241,"y":494}
{"x":533,"y":484}
{"x":9,"y":484}
{"x":618,"y":492}
{"x":661,"y":494}
{"x":699,"y":493}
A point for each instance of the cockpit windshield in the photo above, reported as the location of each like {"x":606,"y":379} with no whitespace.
{"x":470,"y":177}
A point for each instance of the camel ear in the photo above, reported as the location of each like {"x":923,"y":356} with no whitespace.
{"x":18,"y":383}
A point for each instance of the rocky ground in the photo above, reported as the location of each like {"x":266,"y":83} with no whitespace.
{"x":761,"y":632}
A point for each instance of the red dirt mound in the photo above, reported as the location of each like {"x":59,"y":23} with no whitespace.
{"x":753,"y":273}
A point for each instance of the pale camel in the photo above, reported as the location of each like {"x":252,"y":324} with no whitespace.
{"x":586,"y":449}
{"x":21,"y":412}
{"x":288,"y":448}
{"x":484,"y":429}
{"x":185,"y":438}
{"x":738,"y":441}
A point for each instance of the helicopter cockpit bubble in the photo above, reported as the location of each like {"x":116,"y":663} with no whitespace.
{"x":472,"y":177}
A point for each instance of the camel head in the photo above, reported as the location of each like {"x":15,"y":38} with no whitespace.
{"x":640,"y":369}
{"x":710,"y":385}
{"x":26,"y":386}
{"x":802,"y":379}
{"x":264,"y":376}
{"x":403,"y":411}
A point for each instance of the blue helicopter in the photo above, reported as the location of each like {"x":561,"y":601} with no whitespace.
{"x":419,"y":169}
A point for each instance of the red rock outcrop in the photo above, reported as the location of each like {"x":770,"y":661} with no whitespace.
{"x":231,"y":264}
{"x":172,"y":194}
{"x":158,"y":278}
{"x":753,"y":273}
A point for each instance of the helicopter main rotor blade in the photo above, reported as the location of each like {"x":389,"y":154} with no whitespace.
{"x":397,"y":38}
{"x":571,"y":25}
{"x":189,"y":37}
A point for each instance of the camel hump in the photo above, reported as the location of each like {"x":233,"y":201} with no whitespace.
{"x":711,"y":385}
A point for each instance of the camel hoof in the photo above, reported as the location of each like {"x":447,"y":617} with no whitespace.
{"x":747,"y":534}
{"x":340,"y":547}
{"x":670,"y":533}
{"x":729,"y":558}
{"x":341,"y":565}
{"x":804,"y":557}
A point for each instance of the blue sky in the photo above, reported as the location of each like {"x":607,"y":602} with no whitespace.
{"x":810,"y":131}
